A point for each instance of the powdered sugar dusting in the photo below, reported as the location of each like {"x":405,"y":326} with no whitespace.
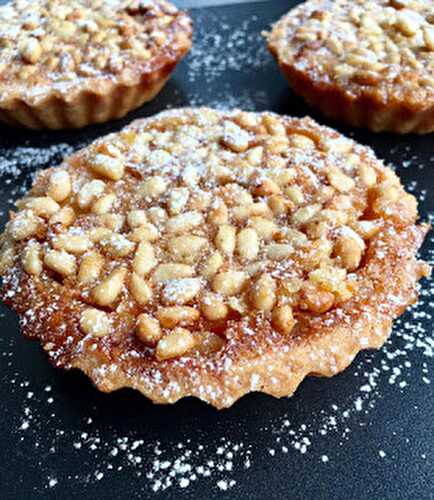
{"x":54,"y":422}
{"x":405,"y":362}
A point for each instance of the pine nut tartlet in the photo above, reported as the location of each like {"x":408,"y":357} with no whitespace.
{"x":367,"y":63}
{"x":71,"y":64}
{"x":209,"y":254}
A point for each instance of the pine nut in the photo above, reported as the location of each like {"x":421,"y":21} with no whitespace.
{"x":218,"y":215}
{"x":109,"y":290}
{"x":24,"y":225}
{"x":407,"y":23}
{"x":199,"y":200}
{"x":283,"y":319}
{"x":186,"y":248}
{"x":282,"y":176}
{"x":349,"y":248}
{"x":90,"y":267}
{"x":171,"y":316}
{"x":247,"y":244}
{"x":148,"y":330}
{"x":211,"y":265}
{"x":278,"y":205}
{"x":305,"y":214}
{"x":239,"y":305}
{"x":177,"y":200}
{"x":208,"y":342}
{"x":265,"y":228}
{"x":175,"y":344}
{"x":277,"y":145}
{"x":96,"y":323}
{"x":295,"y":194}
{"x":65,"y":216}
{"x":31,"y":259}
{"x":154,"y":187}
{"x":296,"y":238}
{"x":301,"y":141}
{"x":316,"y":300}
{"x":229,"y":282}
{"x":108,"y":167}
{"x":339,"y":180}
{"x":273,"y":125}
{"x":171,"y":271}
{"x":428,"y":36}
{"x":104,"y":204}
{"x":278,"y":251}
{"x":181,"y":291}
{"x":225,"y":239}
{"x":30,"y":50}
{"x":117,"y":245}
{"x":98,"y":234}
{"x":213,"y":307}
{"x":115,"y":222}
{"x":366,"y":228}
{"x":43,"y":206}
{"x":59,"y":186}
{"x":254,"y":155}
{"x":136,"y":218}
{"x":89,"y":192}
{"x":146,"y":232}
{"x":144,"y":259}
{"x":184,"y":222}
{"x":72,"y":243}
{"x":234,"y":137}
{"x":61,"y":262}
{"x":263,"y":293}
{"x":244,"y":212}
{"x":157,"y":216}
{"x":367,"y":175}
{"x":266,"y":187}
{"x":140,"y":290}
{"x":234,"y":194}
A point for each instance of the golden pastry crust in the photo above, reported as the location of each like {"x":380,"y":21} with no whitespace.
{"x":87,"y":61}
{"x":210,"y":254}
{"x":367,"y":63}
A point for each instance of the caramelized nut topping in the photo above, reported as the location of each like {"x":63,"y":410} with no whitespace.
{"x":87,"y":39}
{"x":375,"y":57}
{"x":268,"y":225}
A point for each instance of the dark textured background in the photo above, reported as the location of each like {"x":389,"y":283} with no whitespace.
{"x":399,"y":421}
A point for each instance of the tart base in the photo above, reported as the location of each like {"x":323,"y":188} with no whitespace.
{"x":324,"y":346}
{"x":87,"y":107}
{"x":364,"y":111}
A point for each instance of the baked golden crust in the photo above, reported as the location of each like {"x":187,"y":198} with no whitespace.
{"x":210,"y":254}
{"x":367,"y":63}
{"x":88,"y":61}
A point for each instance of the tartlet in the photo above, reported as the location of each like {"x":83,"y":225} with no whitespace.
{"x":367,"y":63}
{"x":210,"y":254}
{"x":71,"y":64}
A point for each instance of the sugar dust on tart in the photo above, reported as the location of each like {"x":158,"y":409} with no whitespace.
{"x":367,"y":63}
{"x":210,"y":254}
{"x":70,"y":64}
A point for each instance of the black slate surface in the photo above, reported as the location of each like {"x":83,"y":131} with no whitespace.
{"x":367,"y":433}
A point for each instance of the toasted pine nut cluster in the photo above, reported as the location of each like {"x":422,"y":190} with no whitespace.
{"x":192,"y":233}
{"x":43,"y":42}
{"x":365,"y":42}
{"x":379,"y":50}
